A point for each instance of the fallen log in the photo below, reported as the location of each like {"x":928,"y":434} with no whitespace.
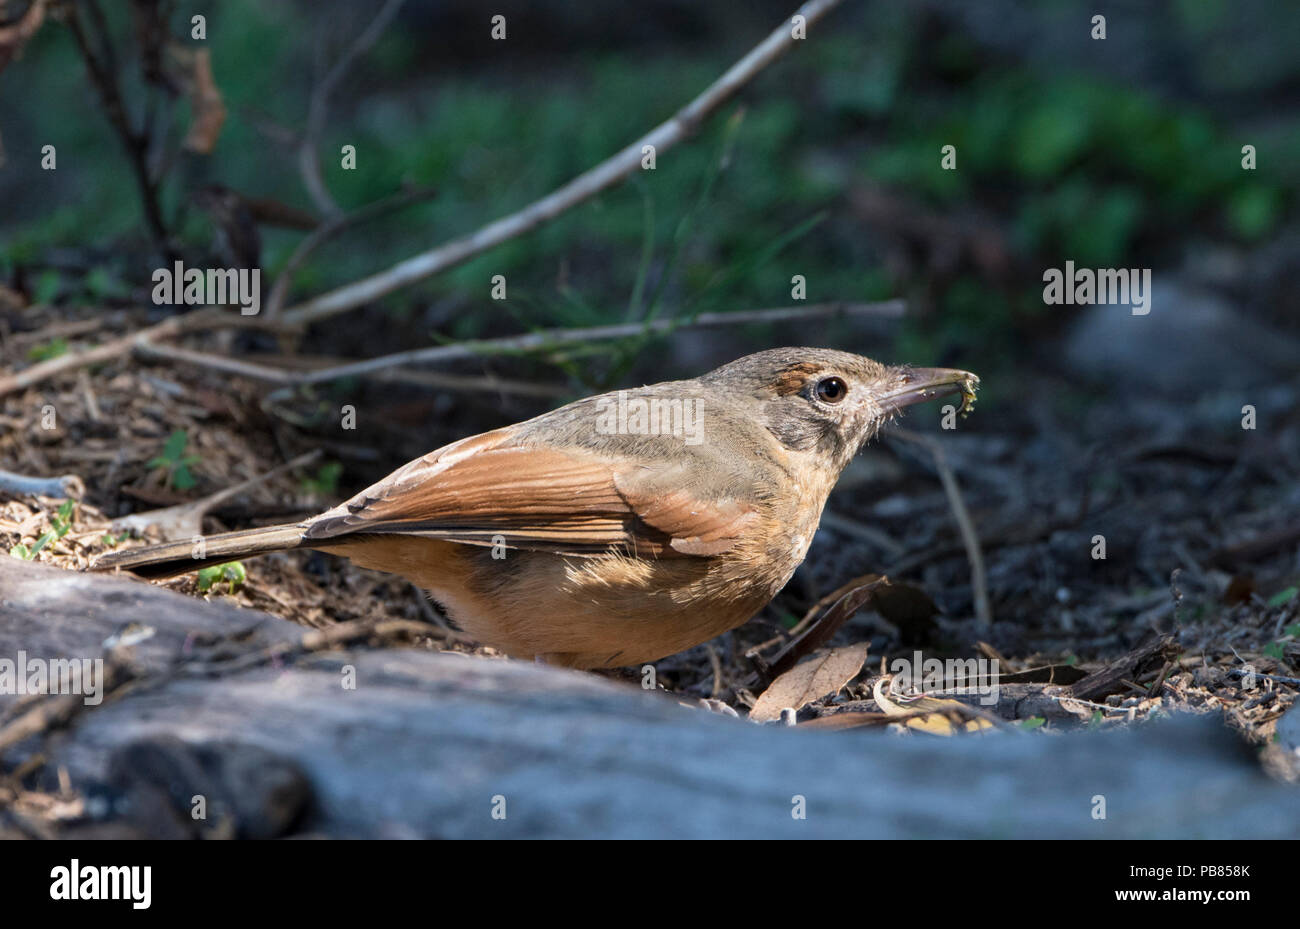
{"x":282,"y":733}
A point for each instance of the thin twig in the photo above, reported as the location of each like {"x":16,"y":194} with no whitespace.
{"x":606,"y":174}
{"x":104,"y":76}
{"x":289,"y":377}
{"x":73,"y":360}
{"x":16,"y":33}
{"x":68,"y":485}
{"x":1275,"y":678}
{"x":979,"y":580}
{"x":856,"y":594}
{"x":114,"y":348}
{"x":186,"y":520}
{"x":476,"y":383}
{"x":64,"y":330}
{"x":870,"y":534}
{"x":541,"y":340}
{"x":546,"y":339}
{"x":328,"y":230}
{"x":308,"y":157}
{"x":146,"y":348}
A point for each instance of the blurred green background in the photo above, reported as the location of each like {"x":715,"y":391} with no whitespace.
{"x":1117,"y":153}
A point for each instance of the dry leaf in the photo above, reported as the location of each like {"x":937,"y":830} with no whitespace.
{"x":907,"y":606}
{"x":853,"y":720}
{"x":929,"y":714}
{"x":822,"y":674}
{"x":207,"y":111}
{"x":835,"y":609}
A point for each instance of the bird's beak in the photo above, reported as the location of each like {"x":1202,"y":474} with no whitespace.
{"x":916,"y":385}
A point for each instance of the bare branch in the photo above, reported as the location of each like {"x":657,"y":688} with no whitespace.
{"x":67,"y":485}
{"x":332,"y":227}
{"x":185,"y":520}
{"x":114,"y":348}
{"x":292,"y":376}
{"x":308,"y":157}
{"x":529,"y":342}
{"x":979,"y":580}
{"x":102,"y":67}
{"x":14,"y":35}
{"x":606,"y":174}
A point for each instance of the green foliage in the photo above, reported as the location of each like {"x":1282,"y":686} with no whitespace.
{"x":47,"y":287}
{"x":1283,"y":597}
{"x":1254,"y":211}
{"x":47,"y":350}
{"x":176,"y":462}
{"x":1290,"y":633}
{"x":101,"y":284}
{"x":232,"y":574}
{"x":326,"y":481}
{"x":1050,"y":137}
{"x":1071,"y":166}
{"x":60,"y":525}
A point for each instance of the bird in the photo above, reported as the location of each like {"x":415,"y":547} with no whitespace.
{"x":618,"y":529}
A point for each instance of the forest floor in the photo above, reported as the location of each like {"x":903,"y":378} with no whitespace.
{"x":1197,"y":523}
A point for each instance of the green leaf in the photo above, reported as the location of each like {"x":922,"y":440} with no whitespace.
{"x":62,"y":521}
{"x":1032,"y":723}
{"x":182,"y":479}
{"x":235,"y":574}
{"x":1283,"y":596}
{"x":232,"y":573}
{"x":208,"y":576}
{"x":47,"y":287}
{"x":20,"y":551}
{"x":1273,"y":650}
{"x":1253,"y":211}
{"x":1050,"y":137}
{"x":174,"y":448}
{"x":51,"y":349}
{"x":326,"y":481}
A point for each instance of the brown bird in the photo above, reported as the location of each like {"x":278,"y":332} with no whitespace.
{"x":620,"y":528}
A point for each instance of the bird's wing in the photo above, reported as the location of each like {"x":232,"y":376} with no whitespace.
{"x":489,"y":490}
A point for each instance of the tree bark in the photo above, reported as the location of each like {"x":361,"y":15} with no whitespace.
{"x":434,"y":745}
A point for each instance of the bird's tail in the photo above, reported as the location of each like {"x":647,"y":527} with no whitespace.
{"x":169,"y":559}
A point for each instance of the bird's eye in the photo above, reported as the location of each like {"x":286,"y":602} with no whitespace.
{"x":831,"y":389}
